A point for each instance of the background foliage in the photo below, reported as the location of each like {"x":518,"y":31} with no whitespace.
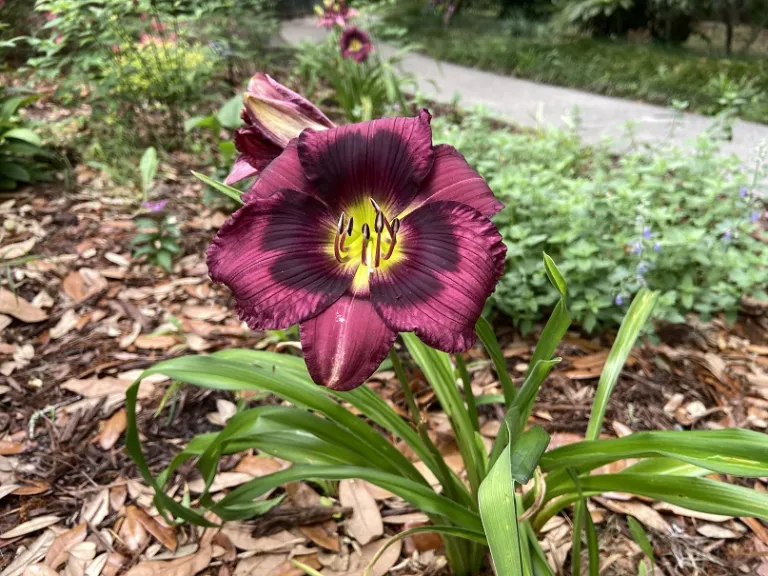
{"x":680,"y":223}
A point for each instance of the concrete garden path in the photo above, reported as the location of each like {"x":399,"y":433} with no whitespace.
{"x":520,"y":101}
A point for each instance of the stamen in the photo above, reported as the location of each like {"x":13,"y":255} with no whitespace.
{"x":350,"y":224}
{"x":379,"y":227}
{"x":378,"y":224}
{"x":380,"y":211}
{"x":393,"y":242}
{"x":338,"y":242}
{"x":366,"y":238}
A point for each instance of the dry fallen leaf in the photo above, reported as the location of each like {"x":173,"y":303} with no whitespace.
{"x":365,"y":523}
{"x":59,"y":550}
{"x":240,"y":534}
{"x":222,"y":481}
{"x":35,"y":552}
{"x":261,"y":565}
{"x":258,"y":466}
{"x":132,"y":532}
{"x":164,"y":534}
{"x":715,"y":531}
{"x":114,"y":564}
{"x":95,"y":567}
{"x":117,"y":497}
{"x":20,"y":308}
{"x":187,"y":566}
{"x":79,"y":557}
{"x":10,"y":448}
{"x":39,"y":570}
{"x":98,"y":387}
{"x":82,"y":284}
{"x":680,"y":511}
{"x":112,"y":430}
{"x":324,"y":535}
{"x":158,"y":342}
{"x":96,"y":509}
{"x":17,"y":249}
{"x":358,"y":562}
{"x":642,"y":512}
{"x":31,"y":526}
{"x":65,"y":324}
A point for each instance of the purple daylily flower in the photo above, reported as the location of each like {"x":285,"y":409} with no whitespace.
{"x":273,"y":116}
{"x":334,"y":13}
{"x":360,"y":232}
{"x":355,"y":44}
{"x":154,"y":205}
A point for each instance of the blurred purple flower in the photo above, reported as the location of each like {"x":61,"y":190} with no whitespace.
{"x":355,"y":44}
{"x":637,"y":248}
{"x":155,"y":206}
{"x":755,"y":216}
{"x":619,"y":300}
{"x":647,"y":232}
{"x":728,"y":235}
{"x":743,"y":193}
{"x":642,"y":268}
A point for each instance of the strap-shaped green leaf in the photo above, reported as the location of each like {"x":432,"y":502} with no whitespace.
{"x":233,"y":193}
{"x":633,"y":322}
{"x":731,"y":451}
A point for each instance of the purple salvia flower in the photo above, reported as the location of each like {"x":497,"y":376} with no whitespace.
{"x":155,"y":205}
{"x":743,"y":193}
{"x":755,"y":216}
{"x":657,"y":246}
{"x":642,"y":268}
{"x":647,"y":232}
{"x":637,"y":248}
{"x":619,"y":300}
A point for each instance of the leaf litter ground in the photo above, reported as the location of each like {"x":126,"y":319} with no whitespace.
{"x":80,"y":321}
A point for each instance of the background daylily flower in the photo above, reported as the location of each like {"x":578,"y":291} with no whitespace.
{"x":334,"y":13}
{"x":360,"y":232}
{"x":273,"y":116}
{"x":355,"y":44}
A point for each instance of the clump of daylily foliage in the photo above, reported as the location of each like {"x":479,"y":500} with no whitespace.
{"x":364,"y":231}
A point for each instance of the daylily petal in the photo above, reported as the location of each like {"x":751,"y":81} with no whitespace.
{"x":273,"y":255}
{"x":255,"y":153}
{"x":344,"y":344}
{"x":452,"y":178}
{"x":451,"y":258}
{"x":384,"y":159}
{"x":283,"y":173}
{"x":280,"y":113}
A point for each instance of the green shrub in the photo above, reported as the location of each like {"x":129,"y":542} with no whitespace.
{"x":681,"y":223}
{"x":22,"y":158}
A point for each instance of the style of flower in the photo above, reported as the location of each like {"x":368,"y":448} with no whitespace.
{"x":334,"y":13}
{"x":355,"y":44}
{"x":357,"y":233}
{"x":273,"y":116}
{"x":154,"y":205}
